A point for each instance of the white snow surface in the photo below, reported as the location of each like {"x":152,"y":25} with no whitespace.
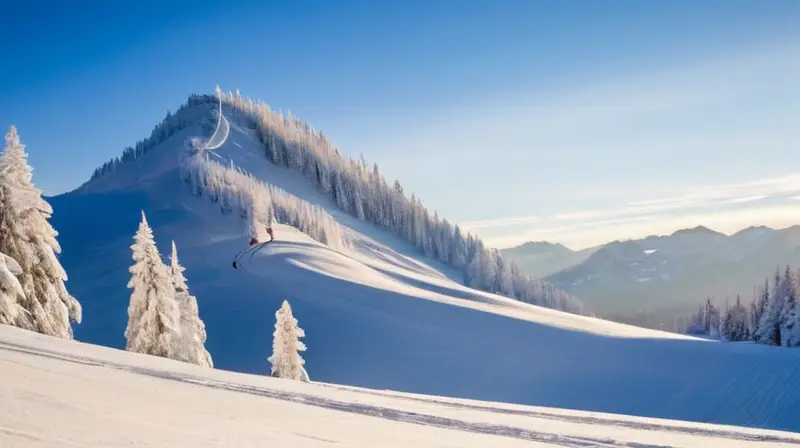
{"x":382,"y":316}
{"x":90,"y":396}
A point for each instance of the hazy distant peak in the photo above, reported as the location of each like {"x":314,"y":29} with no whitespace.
{"x":699,"y":230}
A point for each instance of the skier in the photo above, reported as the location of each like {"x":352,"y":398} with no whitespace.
{"x":269,"y":232}
{"x":253,"y":242}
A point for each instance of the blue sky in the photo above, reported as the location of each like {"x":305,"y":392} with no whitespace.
{"x":570,"y":121}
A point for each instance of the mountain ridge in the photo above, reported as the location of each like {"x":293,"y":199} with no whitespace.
{"x":536,"y":244}
{"x":659,"y":275}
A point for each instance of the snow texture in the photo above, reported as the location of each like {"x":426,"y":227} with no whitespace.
{"x":91,"y":396}
{"x":11,"y":293}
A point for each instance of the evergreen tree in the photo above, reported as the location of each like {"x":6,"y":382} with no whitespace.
{"x":759,"y":308}
{"x":734,"y":326}
{"x":27,"y":237}
{"x":286,"y":346}
{"x":726,"y":326}
{"x":190,"y":346}
{"x":153,"y":315}
{"x":769,"y":327}
{"x":787,"y":314}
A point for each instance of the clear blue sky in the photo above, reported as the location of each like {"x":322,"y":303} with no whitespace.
{"x":573,"y":121}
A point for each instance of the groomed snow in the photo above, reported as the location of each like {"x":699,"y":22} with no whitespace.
{"x":384,"y":317}
{"x":58,"y":393}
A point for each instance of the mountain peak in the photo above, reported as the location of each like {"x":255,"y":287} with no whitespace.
{"x":754,"y":230}
{"x":540,"y":246}
{"x":699,"y":230}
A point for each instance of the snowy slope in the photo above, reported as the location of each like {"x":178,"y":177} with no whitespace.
{"x":90,"y":396}
{"x":383,"y":317}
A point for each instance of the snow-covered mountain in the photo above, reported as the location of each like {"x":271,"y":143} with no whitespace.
{"x":665,"y":276}
{"x":376,"y":311}
{"x":165,"y":403}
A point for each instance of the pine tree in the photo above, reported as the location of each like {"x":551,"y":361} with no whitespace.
{"x":153,"y":316}
{"x":286,"y":360}
{"x":759,"y":308}
{"x":769,"y":328}
{"x":27,"y":237}
{"x":726,"y":327}
{"x":11,"y":294}
{"x":787,"y":315}
{"x":190,"y":346}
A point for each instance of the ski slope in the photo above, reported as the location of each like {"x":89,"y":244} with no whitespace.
{"x":90,"y":396}
{"x":384,"y":317}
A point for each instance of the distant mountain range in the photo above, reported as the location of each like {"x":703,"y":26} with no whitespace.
{"x":662,"y":277}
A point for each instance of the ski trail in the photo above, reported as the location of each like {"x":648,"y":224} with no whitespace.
{"x":220,"y":135}
{"x":395,"y":411}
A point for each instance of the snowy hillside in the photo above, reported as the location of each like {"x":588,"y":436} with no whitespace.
{"x":159,"y":402}
{"x":377,"y":314}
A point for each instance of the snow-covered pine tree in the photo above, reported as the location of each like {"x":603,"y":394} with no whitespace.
{"x":787,"y":314}
{"x":726,"y":326}
{"x":11,"y":294}
{"x":28,"y":238}
{"x":286,"y":346}
{"x":739,"y":328}
{"x":153,"y":316}
{"x":769,"y":327}
{"x":759,"y":307}
{"x":190,"y":346}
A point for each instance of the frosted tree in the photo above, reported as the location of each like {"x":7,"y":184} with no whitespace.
{"x":190,"y":346}
{"x":27,"y":237}
{"x":759,"y":307}
{"x":769,"y":327}
{"x":734,"y":325}
{"x":11,"y":294}
{"x":726,"y":325}
{"x":153,"y":315}
{"x":286,"y":346}
{"x":787,"y":315}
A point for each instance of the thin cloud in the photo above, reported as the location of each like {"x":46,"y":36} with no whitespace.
{"x":747,"y":199}
{"x":703,"y":199}
{"x":503,"y":222}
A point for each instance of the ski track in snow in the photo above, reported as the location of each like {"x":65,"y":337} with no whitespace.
{"x":392,"y":413}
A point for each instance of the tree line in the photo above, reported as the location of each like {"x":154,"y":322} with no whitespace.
{"x":250,"y":198}
{"x":772,"y":317}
